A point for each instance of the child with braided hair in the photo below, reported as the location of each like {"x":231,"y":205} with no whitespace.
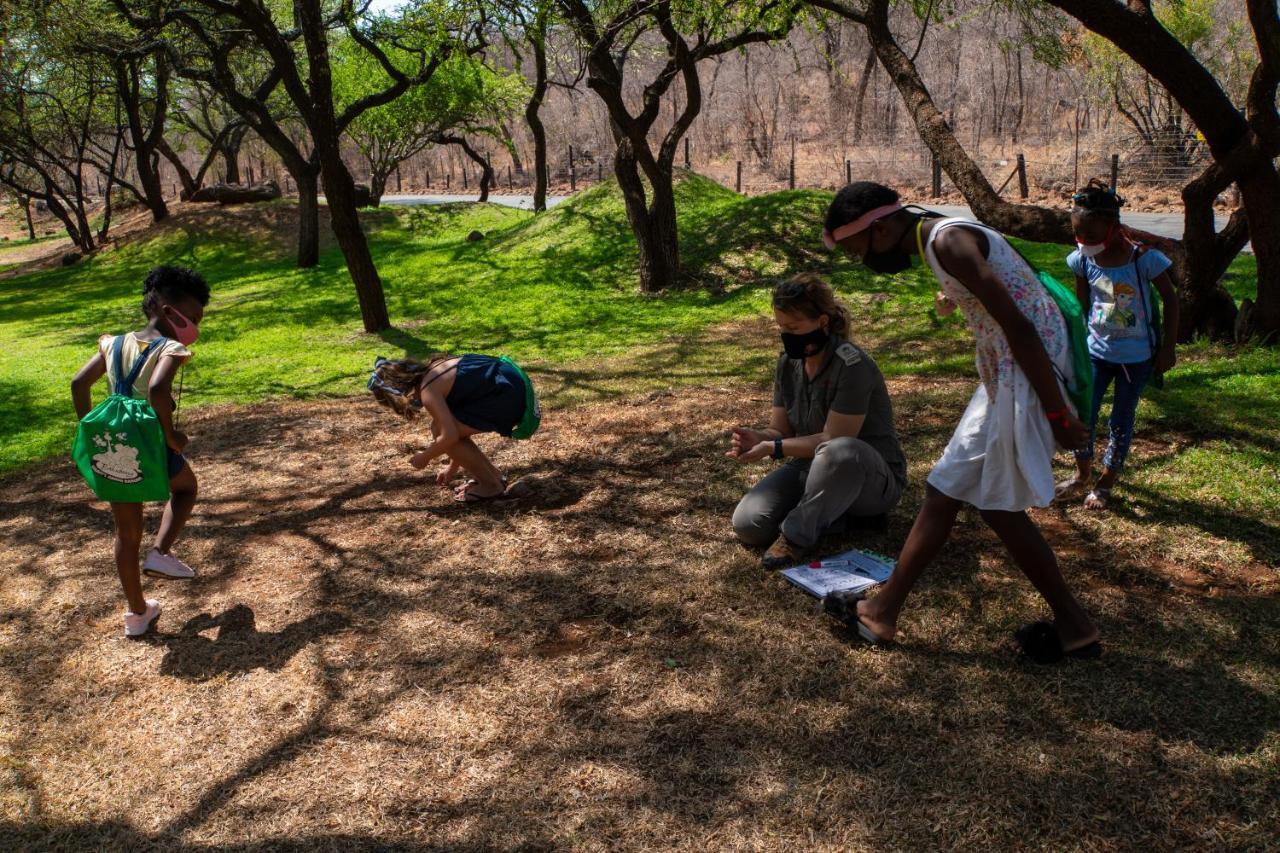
{"x":173,"y":299}
{"x":1128,"y":343}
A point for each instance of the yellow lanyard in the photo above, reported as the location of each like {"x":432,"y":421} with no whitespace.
{"x":920,"y":240}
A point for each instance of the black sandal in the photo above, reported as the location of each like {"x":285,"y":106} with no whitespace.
{"x":1040,"y":642}
{"x":843,"y":605}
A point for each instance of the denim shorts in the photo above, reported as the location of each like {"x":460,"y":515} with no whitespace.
{"x":176,"y":463}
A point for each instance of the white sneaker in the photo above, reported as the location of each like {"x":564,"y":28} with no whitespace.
{"x":137,"y":624}
{"x":166,"y":566}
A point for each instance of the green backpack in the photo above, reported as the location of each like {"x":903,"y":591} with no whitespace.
{"x":1074,"y":316}
{"x":1080,"y":389}
{"x":532,"y":411}
{"x":120,"y":447}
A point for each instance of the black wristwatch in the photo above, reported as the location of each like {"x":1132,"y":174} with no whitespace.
{"x":777,"y":448}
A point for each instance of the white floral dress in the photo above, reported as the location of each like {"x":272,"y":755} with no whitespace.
{"x":1001,"y":455}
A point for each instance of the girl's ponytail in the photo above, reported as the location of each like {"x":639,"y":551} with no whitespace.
{"x":1098,"y":197}
{"x":394,"y":383}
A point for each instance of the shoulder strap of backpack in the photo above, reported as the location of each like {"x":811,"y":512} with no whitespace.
{"x":126,"y":385}
{"x":121,"y":388}
{"x":1143,"y":286}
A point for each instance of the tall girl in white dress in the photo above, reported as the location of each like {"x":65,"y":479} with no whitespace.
{"x":999,"y":459}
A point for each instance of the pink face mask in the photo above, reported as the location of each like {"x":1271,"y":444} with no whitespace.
{"x":185,"y":332}
{"x":1090,"y":250}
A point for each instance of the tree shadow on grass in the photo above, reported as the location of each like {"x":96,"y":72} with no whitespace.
{"x":1260,"y":535}
{"x":761,"y":721}
{"x":239,"y":646}
{"x":122,"y":835}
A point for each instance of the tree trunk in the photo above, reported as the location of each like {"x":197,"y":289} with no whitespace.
{"x":82,"y":217}
{"x":26,"y":208}
{"x":1259,"y":193}
{"x":486,"y":179}
{"x":339,"y":187}
{"x":1242,"y":142}
{"x":861,"y":99}
{"x":231,"y":159}
{"x":654,"y":224}
{"x":339,"y":190}
{"x":198,"y":179}
{"x":538,"y":41}
{"x":1206,"y":307}
{"x":377,"y":184}
{"x":225,"y":194}
{"x":106,"y":197}
{"x":308,"y":219}
{"x":188,"y":181}
{"x":516,"y":163}
{"x":1202,"y":256}
{"x":77,"y":228}
{"x":152,"y":188}
{"x":1026,"y":221}
{"x":486,"y":171}
{"x":129,"y":89}
{"x":1022,"y":102}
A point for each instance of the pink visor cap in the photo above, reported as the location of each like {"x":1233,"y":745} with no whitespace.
{"x":862,"y":223}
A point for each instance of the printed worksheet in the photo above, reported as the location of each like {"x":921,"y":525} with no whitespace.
{"x":853,"y":570}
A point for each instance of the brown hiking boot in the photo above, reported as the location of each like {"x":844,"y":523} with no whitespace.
{"x":783,"y":554}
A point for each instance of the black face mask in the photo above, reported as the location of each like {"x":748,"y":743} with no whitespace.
{"x":797,"y":346}
{"x":887,"y":263}
{"x":893,"y":260}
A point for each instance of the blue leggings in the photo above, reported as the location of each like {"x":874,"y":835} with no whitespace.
{"x":1130,"y":379}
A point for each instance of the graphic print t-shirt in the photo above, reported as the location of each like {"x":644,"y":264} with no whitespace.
{"x":1119,"y":312}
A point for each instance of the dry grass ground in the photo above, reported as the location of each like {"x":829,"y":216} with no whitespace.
{"x":363,"y":665}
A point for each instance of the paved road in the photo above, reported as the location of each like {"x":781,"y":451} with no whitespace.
{"x":525,"y":202}
{"x":1164,"y":224}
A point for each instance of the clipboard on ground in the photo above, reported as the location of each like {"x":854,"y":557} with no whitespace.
{"x":852,"y":570}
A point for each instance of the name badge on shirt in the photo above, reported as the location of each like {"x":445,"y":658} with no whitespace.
{"x":848,"y":353}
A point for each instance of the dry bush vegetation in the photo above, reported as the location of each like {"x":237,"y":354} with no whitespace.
{"x":363,"y":665}
{"x":816,"y":97}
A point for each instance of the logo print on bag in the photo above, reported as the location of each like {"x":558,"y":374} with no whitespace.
{"x":117,"y":461}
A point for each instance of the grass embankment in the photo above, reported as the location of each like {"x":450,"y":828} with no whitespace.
{"x":556,"y":291}
{"x":362,"y":664}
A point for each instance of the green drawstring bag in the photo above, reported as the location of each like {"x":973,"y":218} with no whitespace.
{"x":119,"y":446}
{"x":1080,"y":389}
{"x":532,"y":411}
{"x":1075,"y":317}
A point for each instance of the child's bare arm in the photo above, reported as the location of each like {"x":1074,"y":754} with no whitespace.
{"x":443,"y":425}
{"x":93,"y":370}
{"x":1169,"y":296}
{"x":160,"y":393}
{"x":960,"y":254}
{"x":1082,"y":291}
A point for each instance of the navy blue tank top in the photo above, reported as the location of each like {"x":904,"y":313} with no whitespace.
{"x":487,"y":394}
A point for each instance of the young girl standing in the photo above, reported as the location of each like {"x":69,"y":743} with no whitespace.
{"x":1000,"y":458}
{"x":173,"y":298}
{"x":1114,"y":280}
{"x":465,"y":395}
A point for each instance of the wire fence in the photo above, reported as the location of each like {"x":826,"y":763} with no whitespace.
{"x":1169,"y":162}
{"x":1016,"y":174}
